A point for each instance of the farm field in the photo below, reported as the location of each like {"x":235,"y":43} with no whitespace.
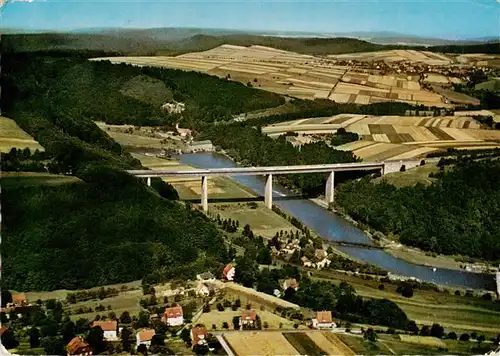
{"x":143,"y":137}
{"x":255,"y":298}
{"x":393,"y":345}
{"x":259,"y":343}
{"x":299,"y":75}
{"x":262,"y":220}
{"x":395,"y":137}
{"x":34,"y":178}
{"x":411,"y":177}
{"x":12,"y":136}
{"x":303,"y":344}
{"x":421,"y":57}
{"x":318,"y":343}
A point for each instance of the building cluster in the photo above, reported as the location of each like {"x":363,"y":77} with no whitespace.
{"x":174,"y":107}
{"x":319,"y":260}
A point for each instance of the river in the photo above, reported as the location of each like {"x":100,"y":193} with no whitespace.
{"x":333,"y":227}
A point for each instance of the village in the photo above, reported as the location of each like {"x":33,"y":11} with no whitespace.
{"x":213,"y":314}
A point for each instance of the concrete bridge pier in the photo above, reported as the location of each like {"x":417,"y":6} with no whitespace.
{"x":148,"y":181}
{"x":204,"y":193}
{"x":330,"y":188}
{"x":268,"y":196}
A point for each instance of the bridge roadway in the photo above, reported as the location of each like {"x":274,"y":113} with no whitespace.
{"x":268,"y":171}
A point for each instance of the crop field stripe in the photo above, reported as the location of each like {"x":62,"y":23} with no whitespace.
{"x":375,"y":129}
{"x":303,"y":344}
{"x":440,"y":133}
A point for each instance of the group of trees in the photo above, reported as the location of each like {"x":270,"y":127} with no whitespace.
{"x":345,"y":304}
{"x":51,"y":244}
{"x":456,"y":215}
{"x":23,"y":160}
{"x":342,"y":136}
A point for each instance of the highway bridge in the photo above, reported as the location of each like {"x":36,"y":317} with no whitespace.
{"x":267,"y":171}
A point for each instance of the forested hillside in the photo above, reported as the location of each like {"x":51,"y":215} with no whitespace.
{"x":459,"y":214}
{"x":111,"y":227}
{"x":158,"y":41}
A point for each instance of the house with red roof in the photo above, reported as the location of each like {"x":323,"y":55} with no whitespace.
{"x":199,"y":336}
{"x":173,"y":316}
{"x":229,"y":272}
{"x":248,"y":319}
{"x":144,"y":336}
{"x":110,"y":328}
{"x":78,"y":347}
{"x":323,"y":320}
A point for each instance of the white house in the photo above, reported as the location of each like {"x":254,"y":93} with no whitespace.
{"x":325,"y":262}
{"x":323,"y":320}
{"x":110,"y":328}
{"x":173,"y":316}
{"x":229,"y":272}
{"x":144,"y":336}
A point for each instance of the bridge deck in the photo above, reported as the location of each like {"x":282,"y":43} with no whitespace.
{"x":257,"y":170}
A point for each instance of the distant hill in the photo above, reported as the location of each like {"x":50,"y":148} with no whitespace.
{"x":177,"y":41}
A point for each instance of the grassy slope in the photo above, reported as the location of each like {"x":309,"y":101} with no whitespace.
{"x":11,"y":135}
{"x":428,"y":307}
{"x":25,"y":179}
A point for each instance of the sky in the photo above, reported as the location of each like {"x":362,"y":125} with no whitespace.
{"x":451,"y":19}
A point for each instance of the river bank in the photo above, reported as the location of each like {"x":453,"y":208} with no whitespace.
{"x":335,"y":228}
{"x":411,"y":254}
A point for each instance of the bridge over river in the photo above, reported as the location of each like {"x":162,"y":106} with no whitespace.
{"x":266,"y":171}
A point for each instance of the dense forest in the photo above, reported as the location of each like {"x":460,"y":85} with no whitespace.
{"x":56,"y":99}
{"x":459,"y":214}
{"x":249,"y":146}
{"x":110,"y":229}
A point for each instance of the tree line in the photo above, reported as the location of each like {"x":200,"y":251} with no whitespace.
{"x":456,"y":215}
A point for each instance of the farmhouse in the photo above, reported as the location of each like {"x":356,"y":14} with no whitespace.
{"x":173,"y":316}
{"x":229,"y":272}
{"x":78,"y":347}
{"x":206,"y":277}
{"x":144,"y":336}
{"x":248,"y":319}
{"x":199,"y":336}
{"x":290,"y":283}
{"x":110,"y":328}
{"x":323,"y":320}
